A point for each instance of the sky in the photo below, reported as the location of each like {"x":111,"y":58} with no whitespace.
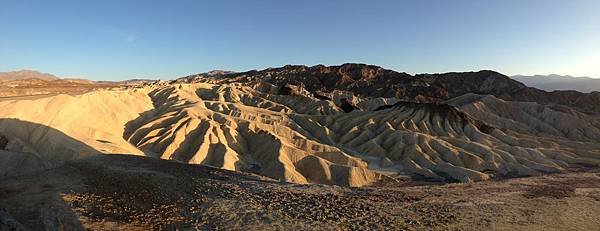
{"x":120,"y":39}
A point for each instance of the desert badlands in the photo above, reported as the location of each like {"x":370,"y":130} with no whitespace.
{"x":324,"y":147}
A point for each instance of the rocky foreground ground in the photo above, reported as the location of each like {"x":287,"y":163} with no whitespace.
{"x":136,"y":193}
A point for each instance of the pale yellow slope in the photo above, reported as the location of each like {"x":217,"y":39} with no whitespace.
{"x":238,"y":128}
{"x":63,"y":127}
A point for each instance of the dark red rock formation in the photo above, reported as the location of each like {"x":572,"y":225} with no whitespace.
{"x":373,"y":81}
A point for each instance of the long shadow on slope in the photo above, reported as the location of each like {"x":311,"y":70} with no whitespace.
{"x":27,"y":150}
{"x":42,"y":199}
{"x":31,"y":146}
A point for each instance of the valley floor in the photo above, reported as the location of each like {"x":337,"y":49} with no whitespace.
{"x":138,"y":193}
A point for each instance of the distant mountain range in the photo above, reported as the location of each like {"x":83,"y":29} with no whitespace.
{"x":20,"y":75}
{"x":25,"y":74}
{"x":560,"y":82}
{"x":31,"y":83}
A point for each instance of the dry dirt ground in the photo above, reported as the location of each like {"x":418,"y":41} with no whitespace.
{"x":120,"y":192}
{"x":34,"y":87}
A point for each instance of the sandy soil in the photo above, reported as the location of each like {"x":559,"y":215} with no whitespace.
{"x":120,"y":192}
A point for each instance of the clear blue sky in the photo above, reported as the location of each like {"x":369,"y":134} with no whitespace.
{"x":118,"y":39}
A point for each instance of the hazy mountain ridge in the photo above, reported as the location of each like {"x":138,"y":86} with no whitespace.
{"x":34,"y":83}
{"x":33,"y":75}
{"x":560,"y":82}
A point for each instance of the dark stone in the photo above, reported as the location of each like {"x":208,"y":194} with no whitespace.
{"x":347,"y":106}
{"x":321,"y":97}
{"x":3,"y":142}
{"x":285,"y":90}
